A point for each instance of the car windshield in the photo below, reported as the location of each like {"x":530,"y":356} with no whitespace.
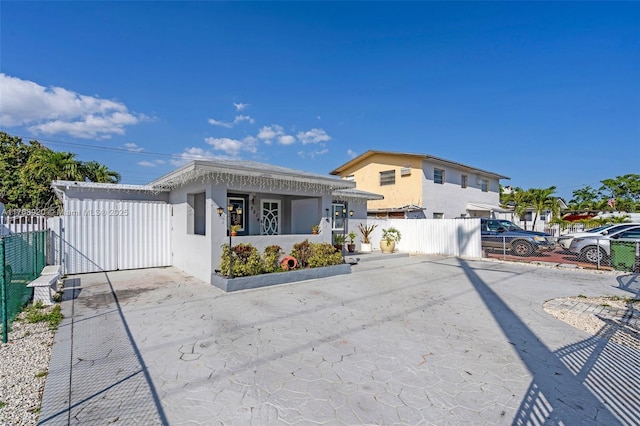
{"x":598,"y":229}
{"x":495,"y":224}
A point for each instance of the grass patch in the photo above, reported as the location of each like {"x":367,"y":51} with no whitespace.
{"x":2,"y":404}
{"x":37,"y":313}
{"x":582,"y":296}
{"x":41,"y":374}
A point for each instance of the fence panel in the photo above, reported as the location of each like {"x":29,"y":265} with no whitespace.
{"x":450,"y":237}
{"x":16,"y":224}
{"x":108,"y":235}
{"x":22,"y":258}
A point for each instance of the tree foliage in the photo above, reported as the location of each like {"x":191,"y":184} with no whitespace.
{"x":27,"y":170}
{"x":623,"y":190}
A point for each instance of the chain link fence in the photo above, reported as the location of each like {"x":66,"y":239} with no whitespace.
{"x":22,"y":258}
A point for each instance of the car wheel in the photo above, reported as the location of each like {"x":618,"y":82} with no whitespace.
{"x":594,"y":254}
{"x":522,"y":248}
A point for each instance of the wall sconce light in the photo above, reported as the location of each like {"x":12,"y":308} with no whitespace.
{"x":220,"y":210}
{"x":351,"y":213}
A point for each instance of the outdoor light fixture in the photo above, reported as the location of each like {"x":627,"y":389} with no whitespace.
{"x":220,"y":211}
{"x":345,"y":224}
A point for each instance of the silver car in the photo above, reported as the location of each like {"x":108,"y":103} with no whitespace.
{"x":565,"y":240}
{"x":597,"y":249}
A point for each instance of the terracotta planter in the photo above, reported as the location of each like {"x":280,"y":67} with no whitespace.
{"x":314,"y":232}
{"x":387,"y":248}
{"x":234,"y":234}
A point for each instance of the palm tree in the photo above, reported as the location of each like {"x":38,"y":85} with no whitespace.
{"x":541,"y":200}
{"x":517,"y":199}
{"x":54,"y":165}
{"x":97,"y":172}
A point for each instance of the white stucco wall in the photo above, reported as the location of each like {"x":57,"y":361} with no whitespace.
{"x":450,"y":198}
{"x":191,"y":252}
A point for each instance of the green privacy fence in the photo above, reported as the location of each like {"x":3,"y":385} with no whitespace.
{"x":22,"y":258}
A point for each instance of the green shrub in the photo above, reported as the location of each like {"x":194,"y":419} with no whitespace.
{"x":302,"y":252}
{"x":246,"y":260}
{"x":271,"y":259}
{"x":38,"y":313}
{"x":324,"y":254}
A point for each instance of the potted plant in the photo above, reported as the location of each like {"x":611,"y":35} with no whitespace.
{"x":366,"y":231}
{"x":351,"y":246}
{"x":315,"y":229}
{"x":235,"y":229}
{"x":389,"y":238}
{"x":338,"y":241}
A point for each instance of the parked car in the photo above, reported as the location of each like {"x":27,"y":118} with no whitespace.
{"x":506,"y":235}
{"x":564,"y":241}
{"x":597,"y":248}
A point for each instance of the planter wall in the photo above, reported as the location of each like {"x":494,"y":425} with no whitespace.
{"x":265,"y":280}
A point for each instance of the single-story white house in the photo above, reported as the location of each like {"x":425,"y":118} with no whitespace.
{"x":183,"y":218}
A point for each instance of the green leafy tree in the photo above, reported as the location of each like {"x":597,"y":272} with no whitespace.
{"x":518,"y":200}
{"x":541,"y":200}
{"x":96,"y":172}
{"x":585,"y":198}
{"x":27,"y":171}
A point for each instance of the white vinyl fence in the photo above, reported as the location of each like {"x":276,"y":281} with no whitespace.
{"x":108,"y":235}
{"x":16,"y":224}
{"x":450,"y":237}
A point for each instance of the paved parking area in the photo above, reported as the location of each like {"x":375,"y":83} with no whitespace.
{"x":556,"y":257}
{"x":414,"y":340}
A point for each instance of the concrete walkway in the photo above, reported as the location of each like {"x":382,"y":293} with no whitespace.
{"x":412,"y":340}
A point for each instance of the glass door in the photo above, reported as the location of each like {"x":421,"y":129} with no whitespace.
{"x":270,"y":217}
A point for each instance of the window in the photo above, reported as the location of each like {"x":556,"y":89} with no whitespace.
{"x":350,"y":177}
{"x":465,"y":181}
{"x":438,"y":215}
{"x":238,"y":206}
{"x":196,"y":214}
{"x":484,"y":185}
{"x":405,"y":171}
{"x":337,"y":219}
{"x":388,"y":177}
{"x":438,"y":176}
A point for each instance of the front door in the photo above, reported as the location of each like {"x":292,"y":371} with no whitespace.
{"x":270,"y":217}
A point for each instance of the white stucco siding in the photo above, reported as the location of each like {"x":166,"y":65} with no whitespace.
{"x":191,"y":252}
{"x":450,"y":198}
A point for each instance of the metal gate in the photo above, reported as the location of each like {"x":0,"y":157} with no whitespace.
{"x":107,"y":235}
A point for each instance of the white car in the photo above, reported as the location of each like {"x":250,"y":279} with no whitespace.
{"x":565,"y":240}
{"x":597,"y":249}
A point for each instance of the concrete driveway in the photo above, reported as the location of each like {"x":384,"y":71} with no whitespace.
{"x":415,"y":340}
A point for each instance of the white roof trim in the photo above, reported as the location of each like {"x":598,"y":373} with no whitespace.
{"x":67,"y":184}
{"x":486,"y":208}
{"x":250,"y":169}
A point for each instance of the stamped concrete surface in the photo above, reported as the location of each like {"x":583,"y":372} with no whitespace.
{"x":414,"y":340}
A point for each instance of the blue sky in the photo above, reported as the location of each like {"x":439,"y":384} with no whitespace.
{"x":547,"y":93}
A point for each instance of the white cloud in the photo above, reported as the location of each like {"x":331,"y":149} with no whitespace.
{"x":240,"y":106}
{"x":154,"y":163}
{"x":322,"y":149}
{"x":228,"y":125}
{"x":313,"y":136}
{"x":351,"y":153}
{"x":130,"y":146}
{"x":193,"y":153}
{"x":286,"y":140}
{"x":215,"y":122}
{"x":268,"y":133}
{"x":233,"y":147}
{"x":240,"y":118}
{"x":275,"y":132}
{"x":57,"y":110}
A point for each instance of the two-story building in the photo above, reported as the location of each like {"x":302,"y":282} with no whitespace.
{"x":423,"y":186}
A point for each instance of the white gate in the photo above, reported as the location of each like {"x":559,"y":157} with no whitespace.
{"x":107,"y":235}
